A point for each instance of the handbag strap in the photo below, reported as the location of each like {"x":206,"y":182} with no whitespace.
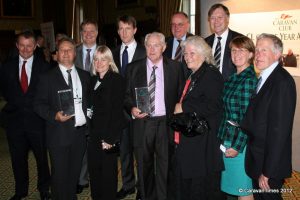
{"x":187,"y":84}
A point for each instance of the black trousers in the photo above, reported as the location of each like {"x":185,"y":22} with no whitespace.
{"x":66,"y":165}
{"x":20,"y":143}
{"x":204,"y":188}
{"x":152,"y":160}
{"x":127,"y":160}
{"x":273,"y":194}
{"x":103,"y":171}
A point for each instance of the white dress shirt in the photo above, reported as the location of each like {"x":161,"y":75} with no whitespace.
{"x":77,"y":94}
{"x":28,"y":67}
{"x":265,"y":74}
{"x":223,"y":44}
{"x":131,"y":49}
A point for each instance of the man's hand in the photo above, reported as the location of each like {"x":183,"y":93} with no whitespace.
{"x":62,"y":117}
{"x":263,"y":182}
{"x":137,"y":113}
{"x":231,"y":153}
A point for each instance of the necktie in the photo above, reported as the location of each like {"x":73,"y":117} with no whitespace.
{"x":70,"y":84}
{"x":187,"y":84}
{"x":124,"y":60}
{"x":24,"y":78}
{"x":217,"y":54}
{"x":151,"y":88}
{"x":178,"y":52}
{"x":258,"y":84}
{"x":87,"y":60}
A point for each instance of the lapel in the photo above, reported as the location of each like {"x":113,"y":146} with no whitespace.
{"x":137,"y":53}
{"x":34,"y":73}
{"x":82,"y":80}
{"x":117,"y":57}
{"x":59,"y":78}
{"x":142,"y":75}
{"x":166,"y":71}
{"x":80,"y":57}
{"x":266,"y":86}
{"x":15,"y":73}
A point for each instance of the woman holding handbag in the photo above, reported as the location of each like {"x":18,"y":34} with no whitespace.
{"x":199,"y":160}
{"x":106,"y":124}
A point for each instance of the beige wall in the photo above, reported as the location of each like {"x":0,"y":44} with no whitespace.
{"x":246,"y":6}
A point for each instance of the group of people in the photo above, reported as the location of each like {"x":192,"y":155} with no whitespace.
{"x":246,"y":152}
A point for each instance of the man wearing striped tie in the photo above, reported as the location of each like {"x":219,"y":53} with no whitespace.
{"x":163,"y":79}
{"x":218,"y":18}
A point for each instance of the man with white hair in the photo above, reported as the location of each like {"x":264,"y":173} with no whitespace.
{"x":164,"y":79}
{"x":269,"y":121}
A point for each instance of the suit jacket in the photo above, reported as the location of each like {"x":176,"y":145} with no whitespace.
{"x":108,"y":102}
{"x":47,"y":105}
{"x":18,"y":112}
{"x":228,"y":67}
{"x":140,"y":53}
{"x":200,"y":155}
{"x":168,"y":54}
{"x":79,"y":57}
{"x":269,"y":123}
{"x":136,"y":76}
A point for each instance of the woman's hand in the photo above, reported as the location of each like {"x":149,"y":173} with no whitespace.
{"x":105,"y":145}
{"x":231,"y":153}
{"x":178,"y":108}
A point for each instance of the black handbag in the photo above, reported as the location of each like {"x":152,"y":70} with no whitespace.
{"x":188,"y":124}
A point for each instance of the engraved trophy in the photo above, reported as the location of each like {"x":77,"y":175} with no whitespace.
{"x":66,"y":101}
{"x":142,"y":97}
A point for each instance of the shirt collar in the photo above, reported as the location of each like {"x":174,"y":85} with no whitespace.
{"x":64,"y":69}
{"x":92,"y":48}
{"x":150,"y":64}
{"x":223,"y":35}
{"x":130,"y":45}
{"x":266,"y":72}
{"x":28,"y":60}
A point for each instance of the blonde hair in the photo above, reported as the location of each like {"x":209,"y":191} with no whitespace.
{"x":201,"y":46}
{"x":106,"y":54}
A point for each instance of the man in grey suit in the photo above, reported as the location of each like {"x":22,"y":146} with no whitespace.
{"x":84,"y":57}
{"x":65,"y":132}
{"x":129,"y":51}
{"x":218,"y":18}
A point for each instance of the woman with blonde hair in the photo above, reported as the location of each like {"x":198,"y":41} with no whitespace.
{"x":106,"y":124}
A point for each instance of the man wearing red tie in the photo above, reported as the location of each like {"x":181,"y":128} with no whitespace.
{"x":24,"y":128}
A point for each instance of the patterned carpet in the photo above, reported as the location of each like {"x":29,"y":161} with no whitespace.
{"x":291,"y":191}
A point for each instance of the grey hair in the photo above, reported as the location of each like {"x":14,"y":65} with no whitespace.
{"x":277,"y":43}
{"x":157,"y":34}
{"x":201,"y":46}
{"x":107,"y":54}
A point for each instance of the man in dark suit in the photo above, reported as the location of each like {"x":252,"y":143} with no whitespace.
{"x":179,"y":27}
{"x":84,"y":58}
{"x":25,"y":129}
{"x":163,"y":79}
{"x":269,"y":121}
{"x":65,"y":133}
{"x":129,"y":51}
{"x":218,"y":18}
